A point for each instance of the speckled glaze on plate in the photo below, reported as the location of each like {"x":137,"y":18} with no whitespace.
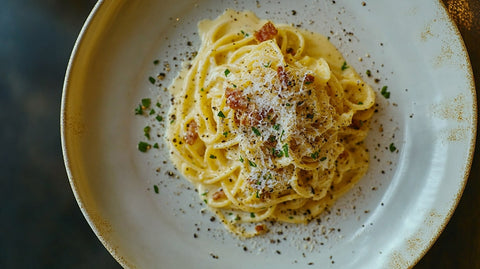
{"x":148,"y":216}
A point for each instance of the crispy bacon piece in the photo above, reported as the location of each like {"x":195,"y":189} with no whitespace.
{"x":309,"y":78}
{"x":192,"y":133}
{"x":218,"y":195}
{"x":268,"y":31}
{"x":261,"y":229}
{"x":246,"y":113}
{"x":235,"y":100}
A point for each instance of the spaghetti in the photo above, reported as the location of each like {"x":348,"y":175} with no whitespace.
{"x":268,"y":122}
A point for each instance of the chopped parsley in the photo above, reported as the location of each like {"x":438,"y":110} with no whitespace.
{"x":227,"y":72}
{"x":139,"y":110}
{"x":268,"y":64}
{"x":241,"y":159}
{"x":143,"y":146}
{"x":244,"y":33}
{"x":323,"y":158}
{"x":155,"y":188}
{"x":212,"y":156}
{"x":285,"y":150}
{"x":256,"y":131}
{"x":156,"y":146}
{"x":156,"y":62}
{"x":276,"y":126}
{"x":368,"y":72}
{"x":315,"y":155}
{"x":221,"y":115}
{"x":151,"y":79}
{"x":146,"y":131}
{"x":252,"y":215}
{"x":392,"y":147}
{"x":252,"y":164}
{"x":225,"y":133}
{"x":152,"y":111}
{"x":146,"y":102}
{"x":277,"y":153}
{"x":385,"y":92}
{"x":159,"y":118}
{"x":344,"y":66}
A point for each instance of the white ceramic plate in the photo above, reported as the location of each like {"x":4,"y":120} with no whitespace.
{"x":388,"y":221}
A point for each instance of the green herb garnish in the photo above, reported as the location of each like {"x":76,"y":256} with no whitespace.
{"x":256,"y":131}
{"x":221,"y":115}
{"x":392,"y":147}
{"x":212,"y":156}
{"x":285,"y":150}
{"x":344,"y":66}
{"x":159,"y":118}
{"x":277,"y":153}
{"x":143,"y":146}
{"x":252,"y":215}
{"x":139,"y":110}
{"x":155,"y":188}
{"x":146,"y":102}
{"x":146,"y":131}
{"x":252,"y":164}
{"x":227,"y":72}
{"x":385,"y":92}
{"x":151,"y":79}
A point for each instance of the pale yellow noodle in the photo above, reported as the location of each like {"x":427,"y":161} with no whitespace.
{"x":279,"y":123}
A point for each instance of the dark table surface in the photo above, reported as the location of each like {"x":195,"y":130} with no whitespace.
{"x":41,"y":225}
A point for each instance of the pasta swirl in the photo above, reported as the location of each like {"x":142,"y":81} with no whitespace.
{"x":268,"y":122}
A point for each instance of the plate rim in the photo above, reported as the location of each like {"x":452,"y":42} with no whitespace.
{"x":95,"y":225}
